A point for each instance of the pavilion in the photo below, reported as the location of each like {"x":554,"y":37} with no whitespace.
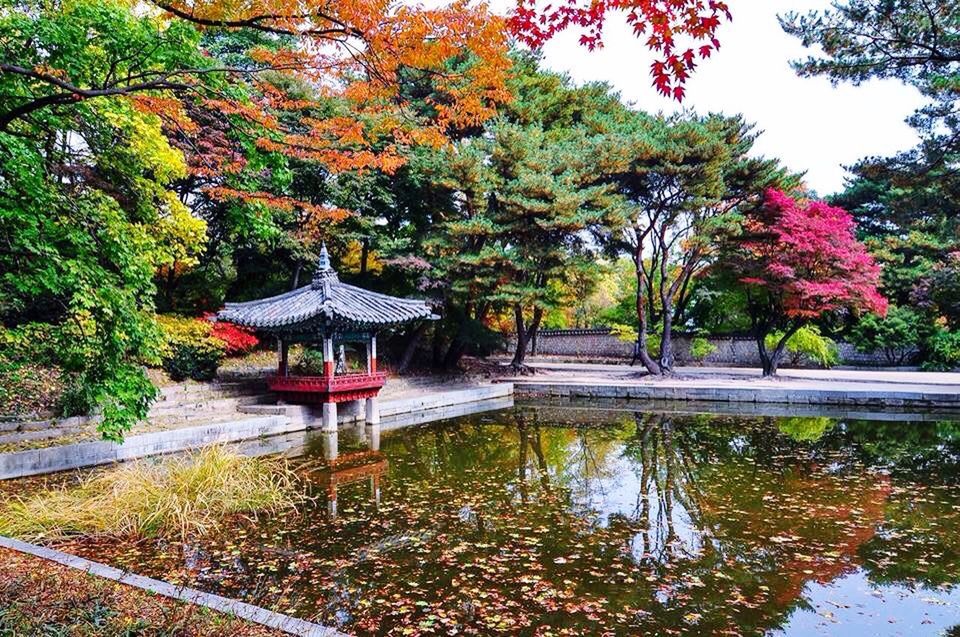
{"x":333,"y":313}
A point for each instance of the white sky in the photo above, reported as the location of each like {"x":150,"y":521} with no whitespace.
{"x":808,"y":124}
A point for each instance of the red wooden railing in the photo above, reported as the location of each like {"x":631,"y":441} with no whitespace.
{"x":333,"y":388}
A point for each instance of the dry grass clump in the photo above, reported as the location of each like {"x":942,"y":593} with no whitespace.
{"x":183,"y":495}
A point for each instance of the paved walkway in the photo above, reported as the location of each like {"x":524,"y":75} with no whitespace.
{"x":879,"y":388}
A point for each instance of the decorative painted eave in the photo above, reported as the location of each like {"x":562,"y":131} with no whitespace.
{"x":325,"y":302}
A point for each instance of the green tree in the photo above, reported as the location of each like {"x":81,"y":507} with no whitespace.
{"x":86,"y":209}
{"x":906,"y":205}
{"x":685,"y":180}
{"x":516,"y":198}
{"x":896,"y":335}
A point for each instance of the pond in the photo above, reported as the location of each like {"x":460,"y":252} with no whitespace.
{"x":570,"y":520}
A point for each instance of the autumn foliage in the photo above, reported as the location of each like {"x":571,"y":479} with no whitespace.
{"x":236,"y":339}
{"x":799,"y":260}
{"x":679,"y":31}
{"x":807,"y":252}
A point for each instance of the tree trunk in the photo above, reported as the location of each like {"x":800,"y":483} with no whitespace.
{"x":170,"y":284}
{"x":364,"y":255}
{"x":454,"y":353}
{"x":458,"y":346}
{"x":666,"y":340}
{"x":643,"y":352}
{"x":520,"y":350}
{"x":524,"y":334}
{"x":296,"y":277}
{"x":436,"y":348}
{"x":767,"y":365}
{"x":770,"y":361}
{"x":411,"y":347}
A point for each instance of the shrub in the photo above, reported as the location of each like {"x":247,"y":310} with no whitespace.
{"x":943,"y":350}
{"x":624,"y":333}
{"x":808,"y":343}
{"x":311,"y":362}
{"x":236,"y":339}
{"x":190,"y":350}
{"x":176,"y":496}
{"x":34,"y":343}
{"x":628,"y":334}
{"x":700,"y":348}
{"x":196,"y":361}
{"x":896,"y":335}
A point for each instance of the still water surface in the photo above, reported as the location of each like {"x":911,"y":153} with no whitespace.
{"x":547,"y":520}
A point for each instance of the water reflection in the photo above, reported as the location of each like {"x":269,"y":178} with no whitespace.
{"x":579,"y":521}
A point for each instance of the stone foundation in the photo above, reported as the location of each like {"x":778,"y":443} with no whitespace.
{"x":254,"y":422}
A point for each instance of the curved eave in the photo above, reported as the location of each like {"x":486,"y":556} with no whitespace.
{"x":347,"y":306}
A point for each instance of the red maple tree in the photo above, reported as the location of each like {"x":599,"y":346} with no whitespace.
{"x":800,"y":259}
{"x":680,"y":31}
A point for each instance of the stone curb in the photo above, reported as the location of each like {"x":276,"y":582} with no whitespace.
{"x":242,"y":610}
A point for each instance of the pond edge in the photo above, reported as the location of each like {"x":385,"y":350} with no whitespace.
{"x":241,"y":610}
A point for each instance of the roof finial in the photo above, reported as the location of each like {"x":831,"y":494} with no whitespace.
{"x":325,"y":271}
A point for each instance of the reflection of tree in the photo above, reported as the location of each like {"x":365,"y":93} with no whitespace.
{"x":918,"y":542}
{"x":667,"y":493}
{"x":753,"y":518}
{"x":931,"y":448}
{"x":530,"y":441}
{"x":805,"y":428}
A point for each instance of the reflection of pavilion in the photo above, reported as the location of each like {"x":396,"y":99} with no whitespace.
{"x":349,"y":469}
{"x":336,"y":470}
{"x":333,"y":313}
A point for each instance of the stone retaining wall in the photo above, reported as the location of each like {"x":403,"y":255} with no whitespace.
{"x":729,"y":351}
{"x":258,"y":421}
{"x":176,"y":405}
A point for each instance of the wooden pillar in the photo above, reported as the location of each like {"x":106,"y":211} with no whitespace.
{"x":372,"y":354}
{"x":283,"y":358}
{"x":328,"y":361}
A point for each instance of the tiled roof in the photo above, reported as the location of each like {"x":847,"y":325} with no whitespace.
{"x":325,"y":300}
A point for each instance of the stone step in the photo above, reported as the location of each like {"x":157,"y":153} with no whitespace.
{"x":72,"y":456}
{"x":204,"y":405}
{"x":221,"y":390}
{"x":37,"y":434}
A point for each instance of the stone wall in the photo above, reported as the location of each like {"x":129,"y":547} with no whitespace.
{"x":730,"y":351}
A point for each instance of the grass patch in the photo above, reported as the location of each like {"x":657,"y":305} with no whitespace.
{"x":174,"y":496}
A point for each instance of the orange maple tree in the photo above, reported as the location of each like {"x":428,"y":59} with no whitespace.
{"x":371,"y":57}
